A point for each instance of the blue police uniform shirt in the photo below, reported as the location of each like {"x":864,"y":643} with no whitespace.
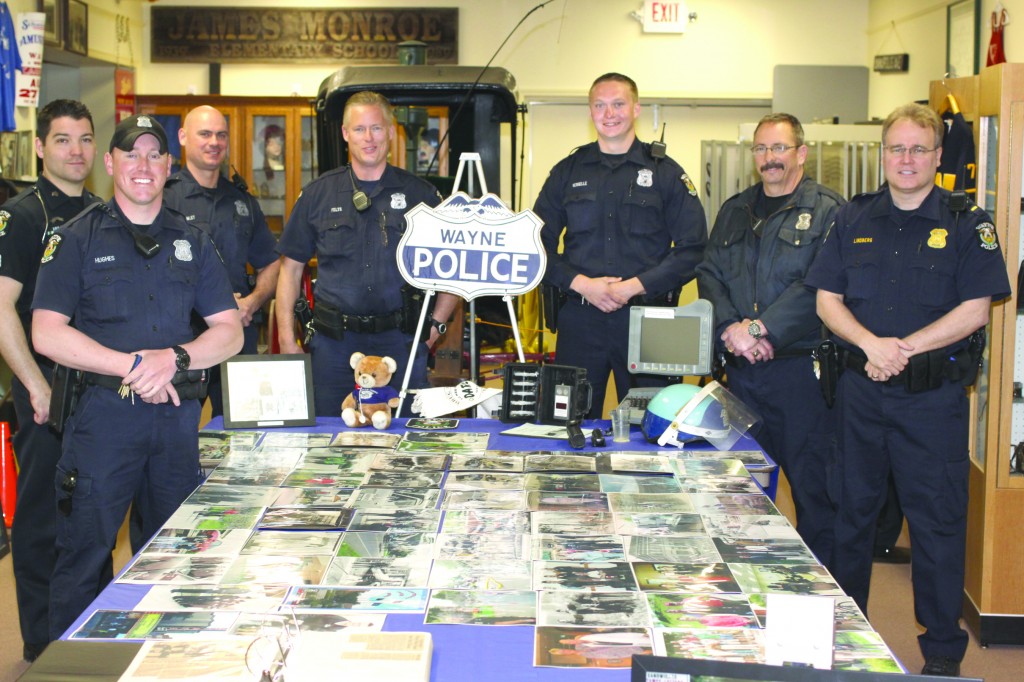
{"x":92,"y":273}
{"x":897,"y":278}
{"x":623,"y":217}
{"x":26,"y":223}
{"x":754,"y":267}
{"x":357,"y":270}
{"x":232,"y":218}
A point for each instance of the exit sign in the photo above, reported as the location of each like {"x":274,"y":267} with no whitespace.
{"x":665,"y":16}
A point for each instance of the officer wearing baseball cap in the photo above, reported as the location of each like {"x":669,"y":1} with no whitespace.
{"x":128,"y":273}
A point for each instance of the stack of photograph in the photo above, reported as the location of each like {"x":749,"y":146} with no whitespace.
{"x":602,"y":556}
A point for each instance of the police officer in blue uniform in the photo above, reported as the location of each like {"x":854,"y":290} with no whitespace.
{"x":352,"y":218}
{"x":66,"y":145}
{"x":114,"y":298}
{"x":634,"y":232}
{"x":762,"y":245}
{"x":231,"y":216}
{"x":904,"y":279}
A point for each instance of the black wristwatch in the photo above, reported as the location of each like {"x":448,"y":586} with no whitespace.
{"x":183,"y":360}
{"x":440,"y":326}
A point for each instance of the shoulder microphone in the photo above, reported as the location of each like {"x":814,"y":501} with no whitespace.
{"x":359,"y":198}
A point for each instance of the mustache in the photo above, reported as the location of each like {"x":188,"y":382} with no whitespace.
{"x":772,"y":165}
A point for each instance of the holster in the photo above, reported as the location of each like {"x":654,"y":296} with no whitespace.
{"x":553,"y":299}
{"x":975,"y":357}
{"x":305,"y":318}
{"x":65,"y":389}
{"x":829,"y":366}
{"x":192,"y":384}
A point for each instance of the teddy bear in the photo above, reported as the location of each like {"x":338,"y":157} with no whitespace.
{"x":372,"y":400}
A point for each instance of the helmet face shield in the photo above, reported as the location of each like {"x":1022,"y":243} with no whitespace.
{"x":684,"y":413}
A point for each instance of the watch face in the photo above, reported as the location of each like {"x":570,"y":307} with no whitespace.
{"x":182,"y":361}
{"x":754,"y":330}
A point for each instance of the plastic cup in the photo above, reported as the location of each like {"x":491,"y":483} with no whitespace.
{"x":620,"y":425}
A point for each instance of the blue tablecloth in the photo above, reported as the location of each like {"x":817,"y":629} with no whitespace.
{"x":462,"y":653}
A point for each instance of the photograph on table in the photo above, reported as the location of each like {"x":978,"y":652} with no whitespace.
{"x":569,"y":647}
{"x":253,"y":598}
{"x":481,"y":574}
{"x":706,"y":578}
{"x":381,"y":600}
{"x":794,"y":579}
{"x":763,"y":551}
{"x":375,"y":545}
{"x":403,"y":479}
{"x":377,"y":572}
{"x":197,"y":542}
{"x":622,"y":483}
{"x":219,"y":495}
{"x":650,"y":503}
{"x":568,"y":522}
{"x":349,"y":460}
{"x":395,"y":498}
{"x":706,"y":483}
{"x":366,"y":439}
{"x":560,"y":461}
{"x":508,"y":500}
{"x":751,"y":527}
{"x":494,"y":546}
{"x":105,"y":624}
{"x":196,"y":661}
{"x":322,"y":476}
{"x":486,"y":521}
{"x":248,"y":476}
{"x":312,"y":497}
{"x":745,"y":645}
{"x":301,"y":543}
{"x":637,"y":462}
{"x":552,"y":482}
{"x":541,"y":500}
{"x":672,"y":549}
{"x":396,"y":520}
{"x":472,"y":480}
{"x":259,"y":569}
{"x":489,"y":460}
{"x":484,"y":607}
{"x":305,"y":518}
{"x":261,"y":624}
{"x":655,"y":524}
{"x":296,"y":439}
{"x":683,"y":610}
{"x":592,"y":609}
{"x":578,"y":548}
{"x":178,"y":570}
{"x":406,"y":462}
{"x":585,"y":576}
{"x":718,"y":504}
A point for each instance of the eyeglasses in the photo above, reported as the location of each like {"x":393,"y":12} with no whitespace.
{"x":917,"y":151}
{"x":777,"y":149}
{"x":68,"y":485}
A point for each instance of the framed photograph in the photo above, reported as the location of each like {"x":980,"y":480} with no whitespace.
{"x":25,"y":167}
{"x":77,"y":37}
{"x":267,"y":390}
{"x":9,"y":154}
{"x":963,"y":22}
{"x":55,"y":11}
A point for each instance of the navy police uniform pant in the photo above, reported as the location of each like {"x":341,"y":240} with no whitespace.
{"x":598,"y":342}
{"x":334,"y":378}
{"x":922,"y":439}
{"x":797,"y":430}
{"x":120,"y":450}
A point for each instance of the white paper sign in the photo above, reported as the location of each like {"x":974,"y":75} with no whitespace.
{"x":800,"y":630}
{"x":29,"y":28}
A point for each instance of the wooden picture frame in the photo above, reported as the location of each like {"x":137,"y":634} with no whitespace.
{"x":963,"y":25}
{"x":9,"y":154}
{"x":267,"y":390}
{"x":55,"y":11}
{"x":76,"y":38}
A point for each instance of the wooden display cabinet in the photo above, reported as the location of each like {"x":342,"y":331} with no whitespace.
{"x":272,"y":145}
{"x":993,"y":102}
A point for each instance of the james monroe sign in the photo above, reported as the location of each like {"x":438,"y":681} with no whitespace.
{"x":366,"y":36}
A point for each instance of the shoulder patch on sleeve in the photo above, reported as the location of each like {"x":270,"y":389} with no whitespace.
{"x":987,"y":236}
{"x":689,"y":184}
{"x":51,"y":248}
{"x":4,"y":217}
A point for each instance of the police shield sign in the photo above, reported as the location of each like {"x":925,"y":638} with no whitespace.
{"x":472,"y":247}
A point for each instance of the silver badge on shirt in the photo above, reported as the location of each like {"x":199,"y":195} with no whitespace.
{"x":398,"y":200}
{"x":182,"y":250}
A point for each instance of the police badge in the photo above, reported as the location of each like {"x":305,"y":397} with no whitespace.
{"x":241,"y":208}
{"x":644,"y":177}
{"x":182,"y":250}
{"x":398,"y":200}
{"x":803,"y":221}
